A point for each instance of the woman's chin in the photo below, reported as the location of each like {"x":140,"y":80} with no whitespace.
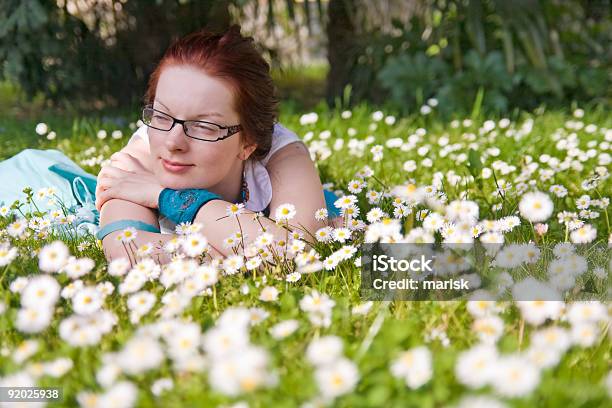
{"x":182,"y":182}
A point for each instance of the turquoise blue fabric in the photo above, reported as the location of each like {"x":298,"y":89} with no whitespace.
{"x":39,"y":169}
{"x":183,"y":205}
{"x":83,"y":184}
{"x":330,"y":199}
{"x":76,"y":188}
{"x":31,"y":168}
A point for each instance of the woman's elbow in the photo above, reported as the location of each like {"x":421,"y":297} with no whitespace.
{"x":113,"y":249}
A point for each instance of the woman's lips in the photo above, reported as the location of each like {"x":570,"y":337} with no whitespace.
{"x":174,"y":167}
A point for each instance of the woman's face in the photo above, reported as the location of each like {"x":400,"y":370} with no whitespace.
{"x":181,"y":162}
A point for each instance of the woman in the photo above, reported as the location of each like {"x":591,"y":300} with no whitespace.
{"x":210,"y":127}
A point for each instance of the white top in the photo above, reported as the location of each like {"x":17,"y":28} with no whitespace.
{"x":256,"y":174}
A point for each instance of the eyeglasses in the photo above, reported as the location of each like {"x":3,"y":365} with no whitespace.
{"x":195,"y":129}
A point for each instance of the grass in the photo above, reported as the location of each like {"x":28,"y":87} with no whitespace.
{"x":372,"y":340}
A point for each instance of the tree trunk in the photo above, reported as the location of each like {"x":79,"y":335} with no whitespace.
{"x":341,"y":48}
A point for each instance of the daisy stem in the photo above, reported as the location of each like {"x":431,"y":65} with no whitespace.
{"x":380,"y":182}
{"x":260,"y":224}
{"x":35,"y":206}
{"x":373,"y":331}
{"x":535,"y":238}
{"x":215,"y":299}
{"x":286,"y":240}
{"x":566,"y":231}
{"x":3,"y":273}
{"x":605,"y":212}
{"x":20,"y":212}
{"x":241,"y":234}
{"x":521,"y":331}
{"x":128,"y":254}
{"x":607,"y":221}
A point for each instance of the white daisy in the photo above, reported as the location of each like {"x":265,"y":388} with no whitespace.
{"x":293,"y":277}
{"x":52,"y":257}
{"x":285,"y":212}
{"x":414,"y":366}
{"x":515,"y":376}
{"x":264,"y":239}
{"x":324,"y":234}
{"x":87,"y":301}
{"x":140,"y":354}
{"x":161,"y":385}
{"x":141,"y":302}
{"x":321,"y":214}
{"x":193,"y":245}
{"x":17,"y":228}
{"x":42,"y":128}
{"x":42,"y":291}
{"x":33,"y":320}
{"x":324,"y":350}
{"x":7,"y":254}
{"x":283,"y":329}
{"x":345,"y":201}
{"x":476,"y":366}
{"x":356,"y":186}
{"x":75,"y":268}
{"x":269,"y":294}
{"x":232,"y":264}
{"x":253,"y":263}
{"x":145,"y":249}
{"x":235,"y":209}
{"x":536,"y":206}
{"x":584,"y":235}
{"x":341,"y":234}
{"x":129,"y":234}
{"x":338,"y":378}
{"x":118,"y":267}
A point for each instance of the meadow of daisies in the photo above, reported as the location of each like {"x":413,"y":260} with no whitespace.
{"x":283,"y":323}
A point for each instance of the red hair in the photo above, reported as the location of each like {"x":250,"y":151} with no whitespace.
{"x":232,"y":57}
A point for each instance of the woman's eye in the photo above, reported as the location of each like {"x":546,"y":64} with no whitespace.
{"x":202,"y":127}
{"x":161,"y":118}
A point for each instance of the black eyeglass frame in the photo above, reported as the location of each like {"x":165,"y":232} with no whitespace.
{"x":231,"y":130}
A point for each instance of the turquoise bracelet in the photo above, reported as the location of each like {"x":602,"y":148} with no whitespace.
{"x":123,"y":224}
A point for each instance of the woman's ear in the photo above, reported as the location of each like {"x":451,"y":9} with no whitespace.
{"x":246,"y":151}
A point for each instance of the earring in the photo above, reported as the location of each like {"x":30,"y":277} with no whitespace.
{"x":245,"y":188}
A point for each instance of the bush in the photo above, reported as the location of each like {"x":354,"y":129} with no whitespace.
{"x":520,"y":57}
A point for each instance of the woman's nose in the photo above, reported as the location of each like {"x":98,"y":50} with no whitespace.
{"x":176,"y":138}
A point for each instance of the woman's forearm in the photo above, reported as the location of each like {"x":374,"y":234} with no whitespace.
{"x":115,"y":210}
{"x":113,"y":248}
{"x":217,"y":226}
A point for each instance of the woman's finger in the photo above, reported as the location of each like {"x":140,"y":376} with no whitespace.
{"x":105,"y":173}
{"x":105,"y":183}
{"x":101,"y":198}
{"x":116,"y":172}
{"x":104,"y":196}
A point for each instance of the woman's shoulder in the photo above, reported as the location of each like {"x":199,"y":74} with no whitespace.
{"x":282,"y":132}
{"x":281,"y":137}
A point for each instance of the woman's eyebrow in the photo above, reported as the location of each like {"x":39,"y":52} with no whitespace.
{"x":202,"y":115}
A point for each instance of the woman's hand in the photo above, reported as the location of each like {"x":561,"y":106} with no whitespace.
{"x":126,"y":178}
